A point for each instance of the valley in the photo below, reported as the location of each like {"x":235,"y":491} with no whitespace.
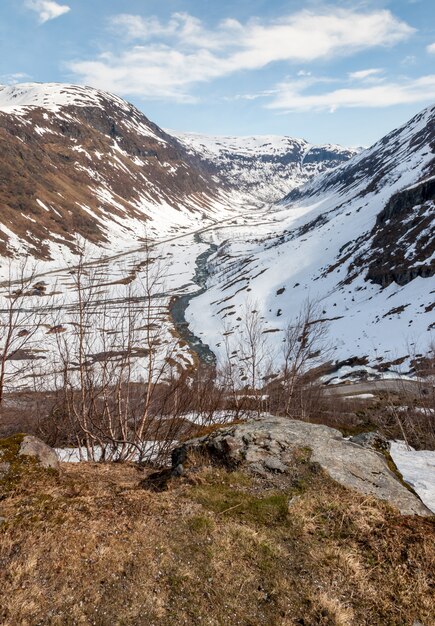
{"x":210,"y":226}
{"x":217,"y":313}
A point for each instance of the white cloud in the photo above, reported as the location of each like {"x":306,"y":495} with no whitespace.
{"x":431,"y":48}
{"x":165,"y":60}
{"x":14,"y":79}
{"x":295,"y":96}
{"x":364,"y":75}
{"x":47,"y":9}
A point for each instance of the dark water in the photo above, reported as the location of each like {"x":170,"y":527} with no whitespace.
{"x":179,"y":305}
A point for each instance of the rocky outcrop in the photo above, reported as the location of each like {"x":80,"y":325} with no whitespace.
{"x":266,"y":445}
{"x":403,"y":238}
{"x":372,"y":440}
{"x":34,"y":447}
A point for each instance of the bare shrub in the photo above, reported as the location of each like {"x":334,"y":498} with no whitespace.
{"x":297,"y":390}
{"x":20,"y":320}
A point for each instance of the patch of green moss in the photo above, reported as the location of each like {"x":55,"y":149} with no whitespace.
{"x":19,"y":464}
{"x":225,"y":500}
{"x":200,"y":524}
{"x":10,"y":447}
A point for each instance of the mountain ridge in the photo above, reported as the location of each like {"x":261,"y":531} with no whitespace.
{"x":78,"y":160}
{"x":266,"y":166}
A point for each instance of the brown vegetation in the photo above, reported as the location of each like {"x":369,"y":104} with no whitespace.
{"x":92,"y":547}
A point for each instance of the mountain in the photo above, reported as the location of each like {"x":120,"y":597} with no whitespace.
{"x":268,"y":166}
{"x":359,"y":241}
{"x":76,"y":160}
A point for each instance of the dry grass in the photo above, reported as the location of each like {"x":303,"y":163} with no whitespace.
{"x":92,"y":547}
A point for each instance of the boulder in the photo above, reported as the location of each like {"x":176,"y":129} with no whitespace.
{"x":267,"y":445}
{"x":34,"y":447}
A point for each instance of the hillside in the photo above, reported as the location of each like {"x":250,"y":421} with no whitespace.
{"x":78,"y":161}
{"x":359,"y":241}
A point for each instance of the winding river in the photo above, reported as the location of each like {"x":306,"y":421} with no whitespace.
{"x":179,"y":304}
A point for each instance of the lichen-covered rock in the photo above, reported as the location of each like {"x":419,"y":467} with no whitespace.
{"x":373,"y":440}
{"x":267,"y":444}
{"x":34,"y":447}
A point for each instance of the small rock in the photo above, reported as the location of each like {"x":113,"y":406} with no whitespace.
{"x":32,"y":446}
{"x":257,"y":468}
{"x":373,"y":440}
{"x":274,"y":465}
{"x":4,"y":469}
{"x":178,"y":470}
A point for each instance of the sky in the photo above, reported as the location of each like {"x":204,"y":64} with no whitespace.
{"x":342,"y":72}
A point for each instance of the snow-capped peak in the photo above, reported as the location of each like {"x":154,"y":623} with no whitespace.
{"x":266,"y":166}
{"x":17,"y":99}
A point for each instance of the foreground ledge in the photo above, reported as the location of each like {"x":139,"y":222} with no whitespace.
{"x":266,"y":445}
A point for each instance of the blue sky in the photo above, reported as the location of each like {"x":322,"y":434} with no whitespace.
{"x":343,"y":72}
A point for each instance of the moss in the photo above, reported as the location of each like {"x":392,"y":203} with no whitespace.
{"x":302,"y":455}
{"x":200,"y":524}
{"x":10,"y":447}
{"x":230,"y":501}
{"x":393,"y":468}
{"x":20,"y":465}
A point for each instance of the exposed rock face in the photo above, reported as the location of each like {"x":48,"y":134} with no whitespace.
{"x":404,"y":237}
{"x":266,"y":445}
{"x":32,"y":446}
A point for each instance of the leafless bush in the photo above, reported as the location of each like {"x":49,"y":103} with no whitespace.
{"x":411,"y":408}
{"x":20,"y":320}
{"x":296,"y":391}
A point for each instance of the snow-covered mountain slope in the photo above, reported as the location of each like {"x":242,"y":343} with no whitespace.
{"x":78,"y":161}
{"x":268,"y":166}
{"x":360,"y":241}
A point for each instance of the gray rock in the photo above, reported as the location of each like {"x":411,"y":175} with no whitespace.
{"x":32,"y":446}
{"x":4,"y":469}
{"x":349,"y":463}
{"x":274,"y":464}
{"x":373,"y":440}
